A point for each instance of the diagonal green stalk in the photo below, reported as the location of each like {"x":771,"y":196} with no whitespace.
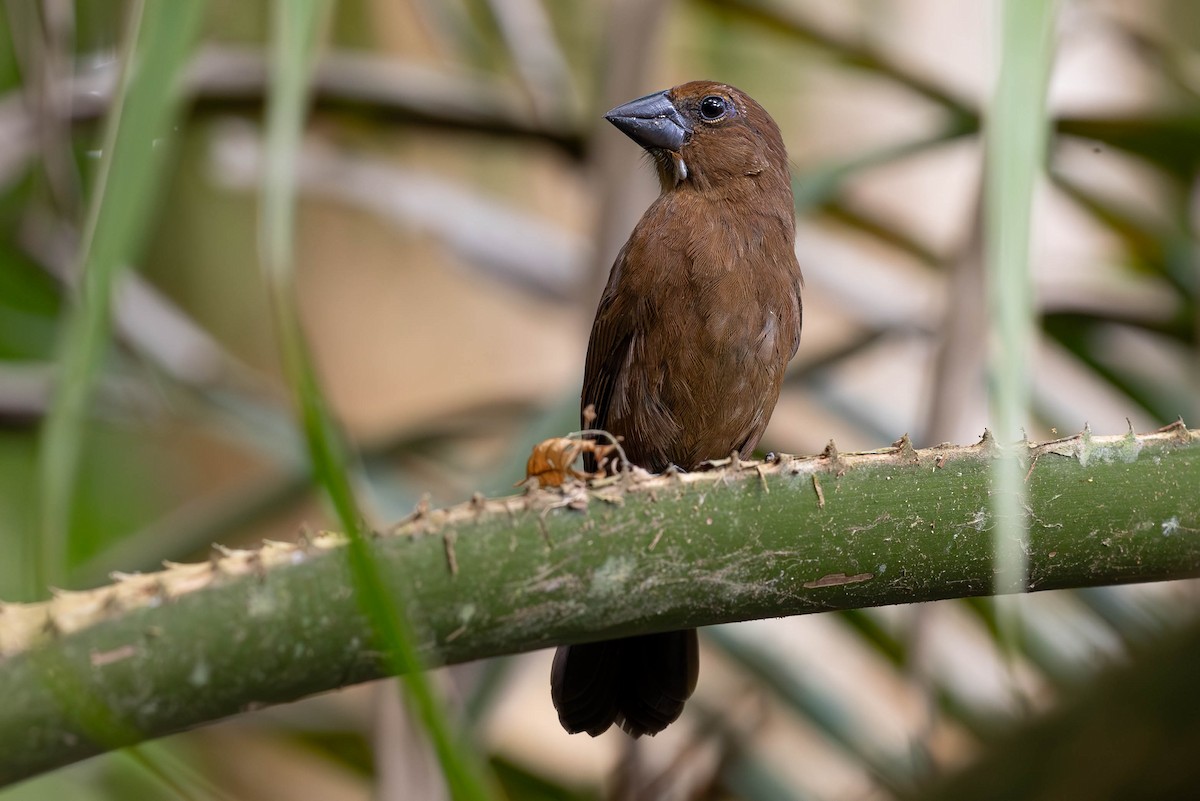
{"x":1016,"y":131}
{"x":297,"y":24}
{"x":147,"y":100}
{"x":635,"y":556}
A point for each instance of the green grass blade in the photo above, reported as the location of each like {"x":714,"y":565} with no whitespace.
{"x":138,"y":127}
{"x":297,"y":24}
{"x":827,"y":714}
{"x":1016,"y":132}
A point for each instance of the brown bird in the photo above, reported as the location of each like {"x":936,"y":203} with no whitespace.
{"x":698,"y":321}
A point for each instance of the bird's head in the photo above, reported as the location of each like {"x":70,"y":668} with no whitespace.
{"x":707,"y":135}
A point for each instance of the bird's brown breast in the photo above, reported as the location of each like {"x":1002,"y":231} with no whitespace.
{"x":705,"y":300}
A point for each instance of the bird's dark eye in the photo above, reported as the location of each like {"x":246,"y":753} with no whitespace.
{"x":712,"y":108}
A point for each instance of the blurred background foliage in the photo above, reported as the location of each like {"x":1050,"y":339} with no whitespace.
{"x":460,"y":202}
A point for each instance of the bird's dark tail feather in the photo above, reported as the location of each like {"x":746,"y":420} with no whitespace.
{"x":639,"y":683}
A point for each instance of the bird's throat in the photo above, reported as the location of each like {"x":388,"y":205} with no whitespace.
{"x":679,"y":168}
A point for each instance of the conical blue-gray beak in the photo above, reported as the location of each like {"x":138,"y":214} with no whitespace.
{"x":651,"y":121}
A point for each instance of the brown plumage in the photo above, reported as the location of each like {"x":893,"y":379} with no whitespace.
{"x":698,"y":321}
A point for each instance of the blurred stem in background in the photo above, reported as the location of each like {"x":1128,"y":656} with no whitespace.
{"x":297,"y":25}
{"x":1015,"y":139}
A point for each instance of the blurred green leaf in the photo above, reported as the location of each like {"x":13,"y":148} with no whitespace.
{"x":17,"y":452}
{"x":863,"y":622}
{"x":1164,"y":250}
{"x":75,"y":784}
{"x":820,"y":185}
{"x":470,"y":28}
{"x":751,"y":780}
{"x":851,"y":52}
{"x":1133,"y":735}
{"x":135,"y":150}
{"x":1170,"y":142}
{"x":826,"y":713}
{"x":349,"y":749}
{"x":10,"y":75}
{"x":1084,"y":335}
{"x":29,"y":303}
{"x":522,"y":784}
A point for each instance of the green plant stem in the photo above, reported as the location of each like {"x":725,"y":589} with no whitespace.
{"x":172,"y":650}
{"x":298,"y":23}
